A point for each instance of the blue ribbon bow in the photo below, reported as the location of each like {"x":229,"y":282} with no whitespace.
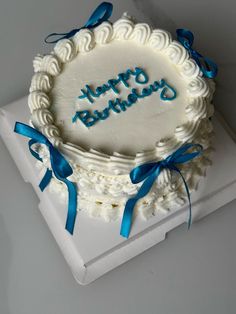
{"x":149,"y":172}
{"x":60,"y":168}
{"x":100,"y":14}
{"x":207,"y":66}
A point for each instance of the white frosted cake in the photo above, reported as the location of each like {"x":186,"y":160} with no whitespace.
{"x":114,"y":97}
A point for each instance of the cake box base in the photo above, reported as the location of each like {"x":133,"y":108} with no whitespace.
{"x":96,"y":246}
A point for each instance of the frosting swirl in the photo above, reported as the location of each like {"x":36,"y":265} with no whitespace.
{"x":84,"y":40}
{"x":197,"y":109}
{"x":41,"y":81}
{"x":141,"y":33}
{"x":65,"y":50}
{"x":37,"y":100}
{"x":187,"y":131}
{"x":48,"y":63}
{"x":42,"y":117}
{"x":166,"y":146}
{"x":103,"y":33}
{"x":177,"y":53}
{"x":198,"y":87}
{"x":50,"y":131}
{"x":190,"y":69}
{"x":123,"y":28}
{"x":159,"y":39}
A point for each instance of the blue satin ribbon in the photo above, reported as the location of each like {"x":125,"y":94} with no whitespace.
{"x":149,"y":172}
{"x":100,"y":14}
{"x":207,"y":66}
{"x":60,"y":168}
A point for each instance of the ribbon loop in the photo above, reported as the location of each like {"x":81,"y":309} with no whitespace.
{"x":60,"y":168}
{"x":149,"y":172}
{"x":140,"y":173}
{"x":207,"y":66}
{"x":101,"y":14}
{"x":55,"y":37}
{"x":46,"y":179}
{"x":185,"y":37}
{"x":181,"y":155}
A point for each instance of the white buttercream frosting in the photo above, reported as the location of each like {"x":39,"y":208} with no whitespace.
{"x":37,"y":100}
{"x":190,"y":69}
{"x":41,"y":81}
{"x":123,"y":28}
{"x":84,"y":40}
{"x":198,"y":109}
{"x":41,"y":117}
{"x":65,"y":50}
{"x":48,"y":63}
{"x":198,"y":87}
{"x":103,"y":33}
{"x":52,"y":133}
{"x":159,"y":39}
{"x":141,"y":33}
{"x":102,"y":175}
{"x":177,"y":53}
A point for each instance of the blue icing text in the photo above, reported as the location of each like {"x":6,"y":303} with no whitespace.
{"x":140,"y":78}
{"x":88,"y":118}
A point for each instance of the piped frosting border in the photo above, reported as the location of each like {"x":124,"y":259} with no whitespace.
{"x":198,"y":108}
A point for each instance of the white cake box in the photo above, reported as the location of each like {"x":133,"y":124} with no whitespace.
{"x":96,"y":246}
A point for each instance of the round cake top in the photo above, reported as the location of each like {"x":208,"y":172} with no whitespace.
{"x":118,"y":95}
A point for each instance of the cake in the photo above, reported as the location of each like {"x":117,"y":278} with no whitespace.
{"x":116,"y":96}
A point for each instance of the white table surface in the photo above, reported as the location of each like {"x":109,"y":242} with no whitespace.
{"x":190,"y":272}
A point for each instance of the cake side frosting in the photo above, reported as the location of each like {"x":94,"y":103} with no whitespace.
{"x":102,"y":195}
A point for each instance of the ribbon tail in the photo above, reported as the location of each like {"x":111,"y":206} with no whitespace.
{"x":60,"y":168}
{"x":189,"y":201}
{"x":72,"y":206}
{"x":129,"y":207}
{"x":207,"y":66}
{"x":46,"y":179}
{"x":127,"y":218}
{"x":188,"y":195}
{"x":210,"y":70}
{"x":55,"y":37}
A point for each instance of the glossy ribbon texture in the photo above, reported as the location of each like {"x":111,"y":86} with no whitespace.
{"x":149,"y":172}
{"x":60,"y":168}
{"x":100,"y":14}
{"x":207,"y":66}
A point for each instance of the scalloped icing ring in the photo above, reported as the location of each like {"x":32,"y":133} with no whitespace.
{"x":150,"y":129}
